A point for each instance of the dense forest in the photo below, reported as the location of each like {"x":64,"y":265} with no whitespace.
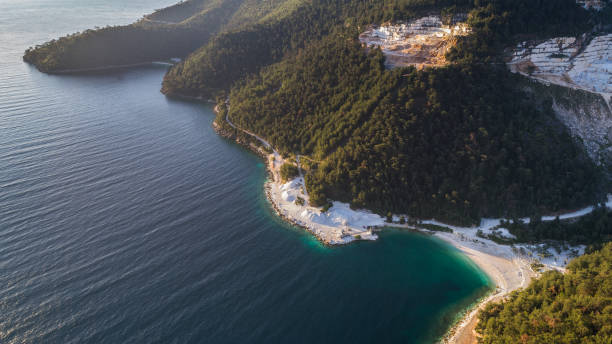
{"x":570,"y":308}
{"x":175,"y":31}
{"x":114,"y":46}
{"x":233,"y":55}
{"x":410,"y":141}
{"x":404,"y":141}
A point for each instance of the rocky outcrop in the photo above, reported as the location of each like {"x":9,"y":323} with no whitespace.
{"x":576,"y":73}
{"x":588,"y":117}
{"x":582,"y":62}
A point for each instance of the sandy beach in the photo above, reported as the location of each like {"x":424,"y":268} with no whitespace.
{"x":508,"y":272}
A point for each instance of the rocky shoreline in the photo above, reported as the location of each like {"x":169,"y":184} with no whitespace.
{"x":228,"y":134}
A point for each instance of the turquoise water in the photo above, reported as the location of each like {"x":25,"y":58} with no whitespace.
{"x":125,"y":219}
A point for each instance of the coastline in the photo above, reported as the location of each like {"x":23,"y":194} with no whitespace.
{"x":507,"y":272}
{"x":107,"y":68}
{"x":509,"y":267}
{"x":505,"y":267}
{"x":330,"y":228}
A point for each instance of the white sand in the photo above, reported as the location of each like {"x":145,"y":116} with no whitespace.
{"x":338,"y":225}
{"x":508,"y":272}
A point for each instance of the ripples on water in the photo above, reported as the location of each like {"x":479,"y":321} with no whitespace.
{"x":124,"y":218}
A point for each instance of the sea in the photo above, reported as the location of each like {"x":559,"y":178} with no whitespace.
{"x":125,"y":219}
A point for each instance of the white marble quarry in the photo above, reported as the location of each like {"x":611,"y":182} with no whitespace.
{"x":421,"y":42}
{"x":578,"y":62}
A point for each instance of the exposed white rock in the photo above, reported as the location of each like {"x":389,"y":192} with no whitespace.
{"x":421,"y":42}
{"x":501,"y":233}
{"x":590,"y":119}
{"x":338,"y":225}
{"x":580,"y":63}
{"x":568,"y":61}
{"x":287,"y":197}
{"x":593,"y":67}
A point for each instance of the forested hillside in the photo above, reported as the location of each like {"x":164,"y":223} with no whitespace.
{"x":114,"y":46}
{"x":575,"y":307}
{"x":175,"y":31}
{"x":458,"y":143}
{"x":233,"y":55}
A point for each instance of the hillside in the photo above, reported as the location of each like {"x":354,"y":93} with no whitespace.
{"x":233,"y":13}
{"x":575,"y":307}
{"x":175,"y":31}
{"x":233,"y":55}
{"x":412,"y":142}
{"x":575,"y":73}
{"x":409,"y":141}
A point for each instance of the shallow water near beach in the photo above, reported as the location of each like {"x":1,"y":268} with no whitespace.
{"x":125,"y":219}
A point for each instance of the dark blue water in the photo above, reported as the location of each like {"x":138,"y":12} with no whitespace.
{"x":125,"y":219}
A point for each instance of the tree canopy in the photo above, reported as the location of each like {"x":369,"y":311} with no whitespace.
{"x":458,"y":143}
{"x":570,"y":308}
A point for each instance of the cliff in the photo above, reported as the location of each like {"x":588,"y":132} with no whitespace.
{"x":576,"y":73}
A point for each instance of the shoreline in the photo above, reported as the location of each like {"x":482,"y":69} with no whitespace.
{"x":327,"y":227}
{"x":104,"y":68}
{"x":507,"y":273}
{"x":507,"y":267}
